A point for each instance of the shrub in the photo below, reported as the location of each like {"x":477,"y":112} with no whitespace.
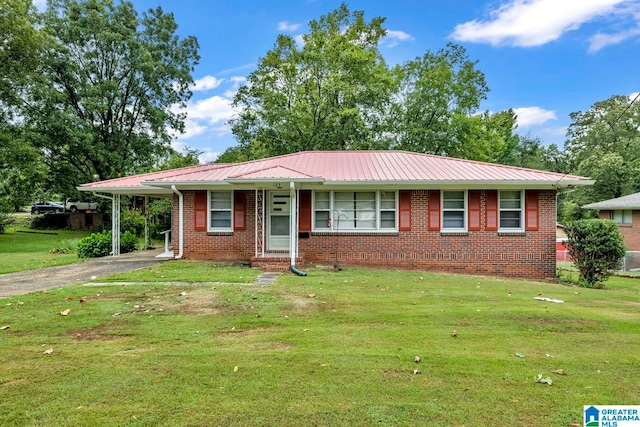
{"x":65,"y":247}
{"x":49,"y":222}
{"x":95,"y":245}
{"x":597,"y":248}
{"x":128,"y":242}
{"x":100,"y":244}
{"x":132,"y":220}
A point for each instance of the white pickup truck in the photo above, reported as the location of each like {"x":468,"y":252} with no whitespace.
{"x":75,"y":205}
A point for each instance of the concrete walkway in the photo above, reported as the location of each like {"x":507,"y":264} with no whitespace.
{"x":46,"y":278}
{"x":88,"y":271}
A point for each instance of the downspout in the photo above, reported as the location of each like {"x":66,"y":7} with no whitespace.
{"x":180,"y":221}
{"x":293,"y":238}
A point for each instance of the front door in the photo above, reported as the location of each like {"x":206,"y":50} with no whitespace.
{"x":278,"y":225}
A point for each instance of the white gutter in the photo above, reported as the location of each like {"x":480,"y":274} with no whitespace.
{"x":293,"y":233}
{"x":180,"y":221}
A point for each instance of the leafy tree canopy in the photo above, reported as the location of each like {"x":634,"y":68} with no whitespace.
{"x":336,"y":92}
{"x":604,"y":144}
{"x":328,"y":94}
{"x":108,"y":80}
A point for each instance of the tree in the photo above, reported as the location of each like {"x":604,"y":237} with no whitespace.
{"x":20,"y":46}
{"x":110,"y":79}
{"x":596,"y":247}
{"x":22,"y":169}
{"x":604,"y":143}
{"x":329,"y":94}
{"x":434,"y":110}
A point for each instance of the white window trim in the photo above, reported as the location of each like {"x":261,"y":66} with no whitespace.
{"x":332,"y":214}
{"x":218,"y":229}
{"x":522,"y":209}
{"x":465,"y":214}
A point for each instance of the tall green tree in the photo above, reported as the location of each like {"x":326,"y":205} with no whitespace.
{"x":20,"y":46}
{"x":434,"y":109}
{"x":103,"y":107}
{"x":329,"y":94}
{"x":604,"y":143}
{"x":22,"y":169}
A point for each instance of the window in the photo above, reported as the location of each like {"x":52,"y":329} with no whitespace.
{"x":220,"y":209}
{"x":388,"y":210}
{"x":510,"y":210}
{"x":622,"y":217}
{"x":355,"y":210}
{"x":453,"y":210}
{"x":322,"y":210}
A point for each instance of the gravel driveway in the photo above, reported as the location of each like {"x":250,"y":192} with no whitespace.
{"x":51,"y":277}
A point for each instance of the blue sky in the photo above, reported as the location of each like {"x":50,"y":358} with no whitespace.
{"x":543,"y":58}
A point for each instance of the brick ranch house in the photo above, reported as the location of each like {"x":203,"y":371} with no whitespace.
{"x":369,"y":208}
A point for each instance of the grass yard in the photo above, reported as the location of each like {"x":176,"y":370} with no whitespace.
{"x":329,"y":349}
{"x":25,"y":249}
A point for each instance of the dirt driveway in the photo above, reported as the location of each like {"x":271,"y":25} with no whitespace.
{"x":51,"y":277}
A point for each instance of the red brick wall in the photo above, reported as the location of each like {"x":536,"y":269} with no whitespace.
{"x":531,"y":254}
{"x":631,"y":233}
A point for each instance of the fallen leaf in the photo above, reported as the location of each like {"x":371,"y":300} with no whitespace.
{"x":69,"y":298}
{"x":549,"y":355}
{"x":83,"y":299}
{"x":2,"y":328}
{"x":417,"y":359}
{"x":559,"y":372}
{"x":520,"y":355}
{"x":312,"y":295}
{"x":416,"y":372}
{"x":48,"y":351}
{"x":183,"y":294}
{"x":454,"y":334}
{"x":66,"y":312}
{"x":235,"y":369}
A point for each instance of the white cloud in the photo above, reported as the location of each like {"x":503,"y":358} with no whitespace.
{"x":394,"y":37}
{"x":40,"y":4}
{"x":287,"y":26}
{"x":528,"y":116}
{"x":528,"y":23}
{"x":208,"y":156}
{"x":634,"y":96}
{"x":206,"y":83}
{"x":299,"y":39}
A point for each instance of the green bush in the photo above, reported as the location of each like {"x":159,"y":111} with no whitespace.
{"x":100,"y":244}
{"x":132,"y":220}
{"x":49,"y":221}
{"x":597,"y":248}
{"x":128,"y":242}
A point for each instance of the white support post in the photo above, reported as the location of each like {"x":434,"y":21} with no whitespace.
{"x":147,"y":242}
{"x":115,"y":226}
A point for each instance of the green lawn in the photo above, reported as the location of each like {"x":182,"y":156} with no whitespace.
{"x":25,"y":249}
{"x":329,"y":349}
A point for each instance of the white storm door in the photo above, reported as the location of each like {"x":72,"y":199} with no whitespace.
{"x":278,"y":225}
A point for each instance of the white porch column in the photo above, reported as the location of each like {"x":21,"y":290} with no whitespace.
{"x":147,"y":241}
{"x":293,"y":231}
{"x":115,"y":226}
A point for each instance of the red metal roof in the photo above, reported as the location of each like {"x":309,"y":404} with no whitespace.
{"x":349,"y":167}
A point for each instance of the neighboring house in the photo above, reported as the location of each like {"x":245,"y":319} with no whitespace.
{"x":372,"y":208}
{"x":625,"y":211}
